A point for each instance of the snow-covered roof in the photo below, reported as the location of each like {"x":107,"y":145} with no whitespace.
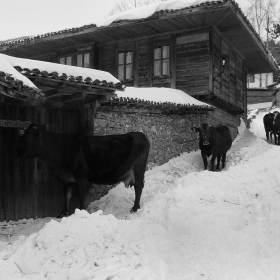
{"x":13,"y":71}
{"x":7,"y":66}
{"x":134,"y":14}
{"x":8,"y":63}
{"x":99,"y":31}
{"x":148,"y":10}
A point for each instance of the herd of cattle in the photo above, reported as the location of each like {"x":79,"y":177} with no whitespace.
{"x":76,"y":160}
{"x":271,"y":123}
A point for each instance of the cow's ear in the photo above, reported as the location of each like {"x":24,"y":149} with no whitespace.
{"x":195,"y":129}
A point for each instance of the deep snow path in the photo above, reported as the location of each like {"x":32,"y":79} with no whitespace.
{"x":193,"y":224}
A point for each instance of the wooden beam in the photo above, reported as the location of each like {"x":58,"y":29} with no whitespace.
{"x":70,"y":98}
{"x":51,"y":93}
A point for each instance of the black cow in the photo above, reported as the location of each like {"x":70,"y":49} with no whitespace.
{"x":268,"y":122}
{"x":276,"y":127}
{"x":77,"y":160}
{"x":215,"y":141}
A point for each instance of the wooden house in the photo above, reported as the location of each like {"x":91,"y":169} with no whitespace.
{"x":205,"y":50}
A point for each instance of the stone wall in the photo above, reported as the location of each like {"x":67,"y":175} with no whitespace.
{"x":221,"y":117}
{"x":169,"y":135}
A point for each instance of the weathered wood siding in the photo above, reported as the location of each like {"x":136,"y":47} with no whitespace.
{"x":229,"y":85}
{"x":108,"y":59}
{"x":192,"y":63}
{"x":143,"y":66}
{"x":27,"y":190}
{"x":255,"y":95}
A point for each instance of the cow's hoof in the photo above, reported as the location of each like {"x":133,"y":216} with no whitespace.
{"x":62,"y":215}
{"x":134,"y":209}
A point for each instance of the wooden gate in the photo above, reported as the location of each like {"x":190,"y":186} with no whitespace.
{"x":26,"y":188}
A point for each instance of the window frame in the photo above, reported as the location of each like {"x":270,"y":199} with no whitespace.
{"x":125,"y":51}
{"x":252,"y":78}
{"x":161,"y":60}
{"x":65,"y":59}
{"x":83,"y":59}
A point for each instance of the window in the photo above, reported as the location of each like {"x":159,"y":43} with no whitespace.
{"x":252,"y":78}
{"x":83,"y":60}
{"x":161,"y":61}
{"x":125,"y":65}
{"x":66,"y":60}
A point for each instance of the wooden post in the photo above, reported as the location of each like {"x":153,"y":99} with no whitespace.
{"x":172,"y":58}
{"x":211,"y":62}
{"x":136,"y":63}
{"x":93,"y":114}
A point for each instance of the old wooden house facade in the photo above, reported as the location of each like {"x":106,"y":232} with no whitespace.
{"x":205,"y":50}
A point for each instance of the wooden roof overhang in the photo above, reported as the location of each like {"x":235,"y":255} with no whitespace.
{"x":221,"y":103}
{"x":62,"y":91}
{"x":225,"y":15}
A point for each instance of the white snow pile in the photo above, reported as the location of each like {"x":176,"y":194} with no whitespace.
{"x":160,"y":95}
{"x":193,"y":224}
{"x":7,"y":64}
{"x":148,"y":10}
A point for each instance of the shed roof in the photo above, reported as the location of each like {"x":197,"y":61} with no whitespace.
{"x":28,"y":79}
{"x":165,"y":17}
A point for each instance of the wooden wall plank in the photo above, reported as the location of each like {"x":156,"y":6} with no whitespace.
{"x":27,"y":190}
{"x":192,"y":67}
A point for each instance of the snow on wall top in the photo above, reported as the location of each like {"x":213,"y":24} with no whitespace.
{"x":160,"y":95}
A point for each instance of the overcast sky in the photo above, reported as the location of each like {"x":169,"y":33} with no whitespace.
{"x":32,"y":17}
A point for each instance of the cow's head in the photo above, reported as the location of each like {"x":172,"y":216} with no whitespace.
{"x":204,"y":133}
{"x":29,"y":142}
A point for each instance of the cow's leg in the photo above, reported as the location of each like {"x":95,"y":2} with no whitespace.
{"x":270,"y":137}
{"x":267,"y":135}
{"x":223,"y":160}
{"x":205,"y":161}
{"x":138,"y":187}
{"x":83,"y":192}
{"x":275,"y":138}
{"x":218,"y":161}
{"x":68,"y":191}
{"x":213,"y":162}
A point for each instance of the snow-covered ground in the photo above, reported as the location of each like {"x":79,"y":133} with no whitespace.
{"x":193,"y":224}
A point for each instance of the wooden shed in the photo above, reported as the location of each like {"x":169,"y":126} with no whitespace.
{"x":26,"y":188}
